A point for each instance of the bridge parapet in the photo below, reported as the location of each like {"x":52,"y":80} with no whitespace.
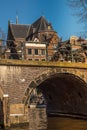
{"x":10,"y":62}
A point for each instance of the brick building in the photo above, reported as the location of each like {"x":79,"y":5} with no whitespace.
{"x":32,"y":42}
{"x":74,"y":49}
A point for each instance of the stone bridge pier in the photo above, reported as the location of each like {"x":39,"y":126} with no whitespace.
{"x":64,"y":86}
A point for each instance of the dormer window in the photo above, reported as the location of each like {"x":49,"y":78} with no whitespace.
{"x":49,"y":27}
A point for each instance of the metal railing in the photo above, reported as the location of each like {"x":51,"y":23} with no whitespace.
{"x":55,"y":54}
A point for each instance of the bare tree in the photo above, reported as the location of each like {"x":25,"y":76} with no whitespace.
{"x":80,"y":6}
{"x":80,"y":10}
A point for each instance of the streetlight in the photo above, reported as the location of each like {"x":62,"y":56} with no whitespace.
{"x":47,"y":51}
{"x":22,"y":49}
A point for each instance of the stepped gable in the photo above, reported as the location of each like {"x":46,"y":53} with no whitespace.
{"x":42,"y":25}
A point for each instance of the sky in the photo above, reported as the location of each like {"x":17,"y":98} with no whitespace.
{"x":57,"y":12}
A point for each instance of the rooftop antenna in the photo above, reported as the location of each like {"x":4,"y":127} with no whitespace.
{"x":16,"y":17}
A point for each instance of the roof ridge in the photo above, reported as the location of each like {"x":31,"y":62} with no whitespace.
{"x":19,"y":24}
{"x":41,"y":24}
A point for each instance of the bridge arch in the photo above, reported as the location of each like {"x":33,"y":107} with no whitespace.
{"x":65,"y":92}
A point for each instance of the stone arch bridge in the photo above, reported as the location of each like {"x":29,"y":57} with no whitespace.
{"x":64,"y":86}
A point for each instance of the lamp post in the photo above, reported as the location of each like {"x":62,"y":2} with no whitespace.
{"x":22,"y":50}
{"x":46,"y":51}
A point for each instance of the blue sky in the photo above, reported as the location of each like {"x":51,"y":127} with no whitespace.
{"x":56,"y":12}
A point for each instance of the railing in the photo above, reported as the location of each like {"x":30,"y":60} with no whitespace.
{"x":55,"y":54}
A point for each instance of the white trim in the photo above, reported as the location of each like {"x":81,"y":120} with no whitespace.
{"x":35,"y":45}
{"x":5,"y":95}
{"x":16,"y":114}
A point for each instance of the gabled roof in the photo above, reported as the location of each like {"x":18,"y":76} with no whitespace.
{"x":19,"y":30}
{"x":42,"y":25}
{"x":24,"y":31}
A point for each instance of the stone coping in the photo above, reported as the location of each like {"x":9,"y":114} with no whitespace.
{"x":10,"y":62}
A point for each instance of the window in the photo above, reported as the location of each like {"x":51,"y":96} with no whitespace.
{"x":43,"y":59}
{"x":36,"y":51}
{"x":36,"y":59}
{"x":49,"y":27}
{"x":42,"y":52}
{"x":29,"y":59}
{"x":30,"y":51}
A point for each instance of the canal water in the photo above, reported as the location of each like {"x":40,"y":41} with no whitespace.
{"x":39,"y":121}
